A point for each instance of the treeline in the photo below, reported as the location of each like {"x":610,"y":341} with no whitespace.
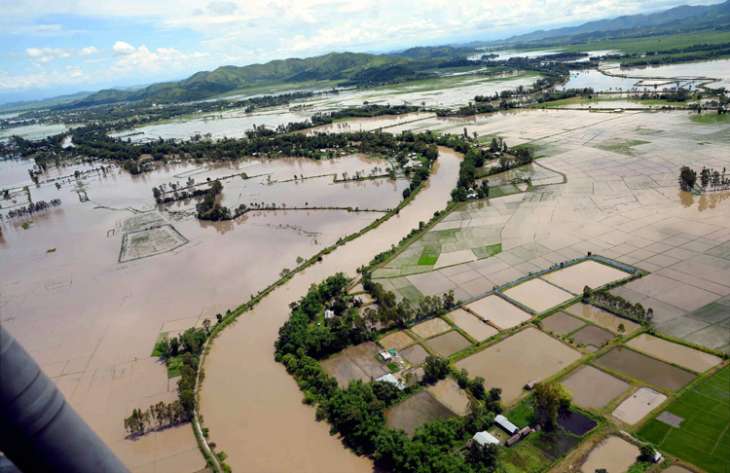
{"x":182,"y":352}
{"x":696,"y":52}
{"x":554,"y":94}
{"x":618,"y":305}
{"x":33,"y":207}
{"x":357,"y":412}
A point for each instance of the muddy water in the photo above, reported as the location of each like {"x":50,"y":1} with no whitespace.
{"x":91,"y":322}
{"x":252,"y":406}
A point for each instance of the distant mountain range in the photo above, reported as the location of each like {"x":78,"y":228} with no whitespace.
{"x":674,"y":20}
{"x":369,"y":69}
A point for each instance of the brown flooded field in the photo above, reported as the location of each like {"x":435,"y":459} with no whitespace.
{"x":353,"y":363}
{"x":92,"y":322}
{"x":397,"y":340}
{"x":412,"y":413}
{"x":475,"y":328}
{"x":561,"y":324}
{"x":415,"y":355}
{"x":529,"y":355}
{"x":245,"y":418}
{"x":499,"y":312}
{"x":587,"y":273}
{"x":447,"y":344}
{"x":430,"y":328}
{"x":614,"y":454}
{"x":592,"y":388}
{"x":674,"y":353}
{"x":538,"y":295}
{"x":602,"y":318}
{"x":638,"y":405}
{"x":646,"y":369}
{"x":592,"y":336}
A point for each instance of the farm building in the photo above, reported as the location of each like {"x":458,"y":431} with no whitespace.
{"x":485,"y":438}
{"x":508,"y":426}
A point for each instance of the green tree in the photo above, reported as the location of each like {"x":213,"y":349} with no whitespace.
{"x":435,"y":368}
{"x":549,"y":400}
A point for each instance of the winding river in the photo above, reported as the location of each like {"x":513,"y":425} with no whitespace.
{"x":252,"y":407}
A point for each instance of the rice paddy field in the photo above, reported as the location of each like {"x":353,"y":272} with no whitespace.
{"x":702,"y":437}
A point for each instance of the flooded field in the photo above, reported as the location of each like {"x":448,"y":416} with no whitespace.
{"x":561,"y":324}
{"x":598,"y":81}
{"x":448,"y":393}
{"x":430,"y":328}
{"x":91,"y":322}
{"x":719,"y":69}
{"x":244,"y":417}
{"x":527,"y":356}
{"x":592,"y":337}
{"x":614,"y":454}
{"x":474,"y":327}
{"x":397,"y":340}
{"x":602,"y":318}
{"x":680,"y":355}
{"x":538,"y":295}
{"x":353,"y":363}
{"x":646,"y":369}
{"x":638,"y":405}
{"x":447,"y":344}
{"x":587,"y":273}
{"x":33,"y":132}
{"x":592,"y":388}
{"x":498,"y":312}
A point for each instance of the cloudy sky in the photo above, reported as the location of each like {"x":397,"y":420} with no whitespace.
{"x":48,"y":47}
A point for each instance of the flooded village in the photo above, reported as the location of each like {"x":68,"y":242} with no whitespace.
{"x":499,"y":268}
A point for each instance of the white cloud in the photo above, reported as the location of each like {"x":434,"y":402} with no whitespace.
{"x":143,"y":59}
{"x":45,"y":55}
{"x":89,"y":51}
{"x":123,"y":48}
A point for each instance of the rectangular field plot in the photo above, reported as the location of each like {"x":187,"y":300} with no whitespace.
{"x":473,"y":326}
{"x":150,"y":242}
{"x":613,"y":454}
{"x":398,"y":340}
{"x":703,"y":437}
{"x":538,"y":295}
{"x":430,"y":328}
{"x":529,"y":355}
{"x":415,"y":411}
{"x":638,"y":405}
{"x":448,"y":393}
{"x":674,"y":353}
{"x":592,"y":336}
{"x":357,"y":362}
{"x":447,"y":344}
{"x":602,"y":318}
{"x":499,"y":312}
{"x":593,"y":388}
{"x":645,"y":369}
{"x":561,"y":324}
{"x":587,"y":273}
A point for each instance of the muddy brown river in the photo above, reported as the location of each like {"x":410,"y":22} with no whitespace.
{"x":252,"y":407}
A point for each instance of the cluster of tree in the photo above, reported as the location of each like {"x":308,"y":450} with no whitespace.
{"x":357,"y":412}
{"x":549,"y":401}
{"x":709,"y":179}
{"x":308,"y":332}
{"x":475,"y":387}
{"x":210,"y":207}
{"x":672,"y":95}
{"x":555,"y":94}
{"x":618,"y":305}
{"x":184,"y":351}
{"x":157,"y":416}
{"x":403,"y":313}
{"x":33,"y":207}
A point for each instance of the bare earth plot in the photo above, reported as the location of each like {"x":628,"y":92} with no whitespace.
{"x":587,"y":273}
{"x":416,"y":411}
{"x":613,"y":454}
{"x":638,"y":405}
{"x":398,"y":340}
{"x":592,"y":388}
{"x":448,"y":393}
{"x":538,"y":295}
{"x":414,"y":354}
{"x":674,"y":353}
{"x":356,"y":362}
{"x":430,"y":328}
{"x":529,"y":355}
{"x":592,"y":336}
{"x":473,"y":326}
{"x":644,"y":368}
{"x":499,"y":312}
{"x":447,"y":344}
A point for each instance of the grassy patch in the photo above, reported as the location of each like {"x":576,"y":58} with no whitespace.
{"x":621,"y":146}
{"x":523,"y":458}
{"x":393,"y":367}
{"x":522,"y":414}
{"x":174,"y":365}
{"x":157,"y":350}
{"x":703,"y":438}
{"x":487,"y":251}
{"x":411,"y":293}
{"x":710,"y":118}
{"x":429,"y":256}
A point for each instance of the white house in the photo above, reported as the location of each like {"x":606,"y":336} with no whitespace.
{"x":485,"y":438}
{"x":504,"y":422}
{"x":390,"y":379}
